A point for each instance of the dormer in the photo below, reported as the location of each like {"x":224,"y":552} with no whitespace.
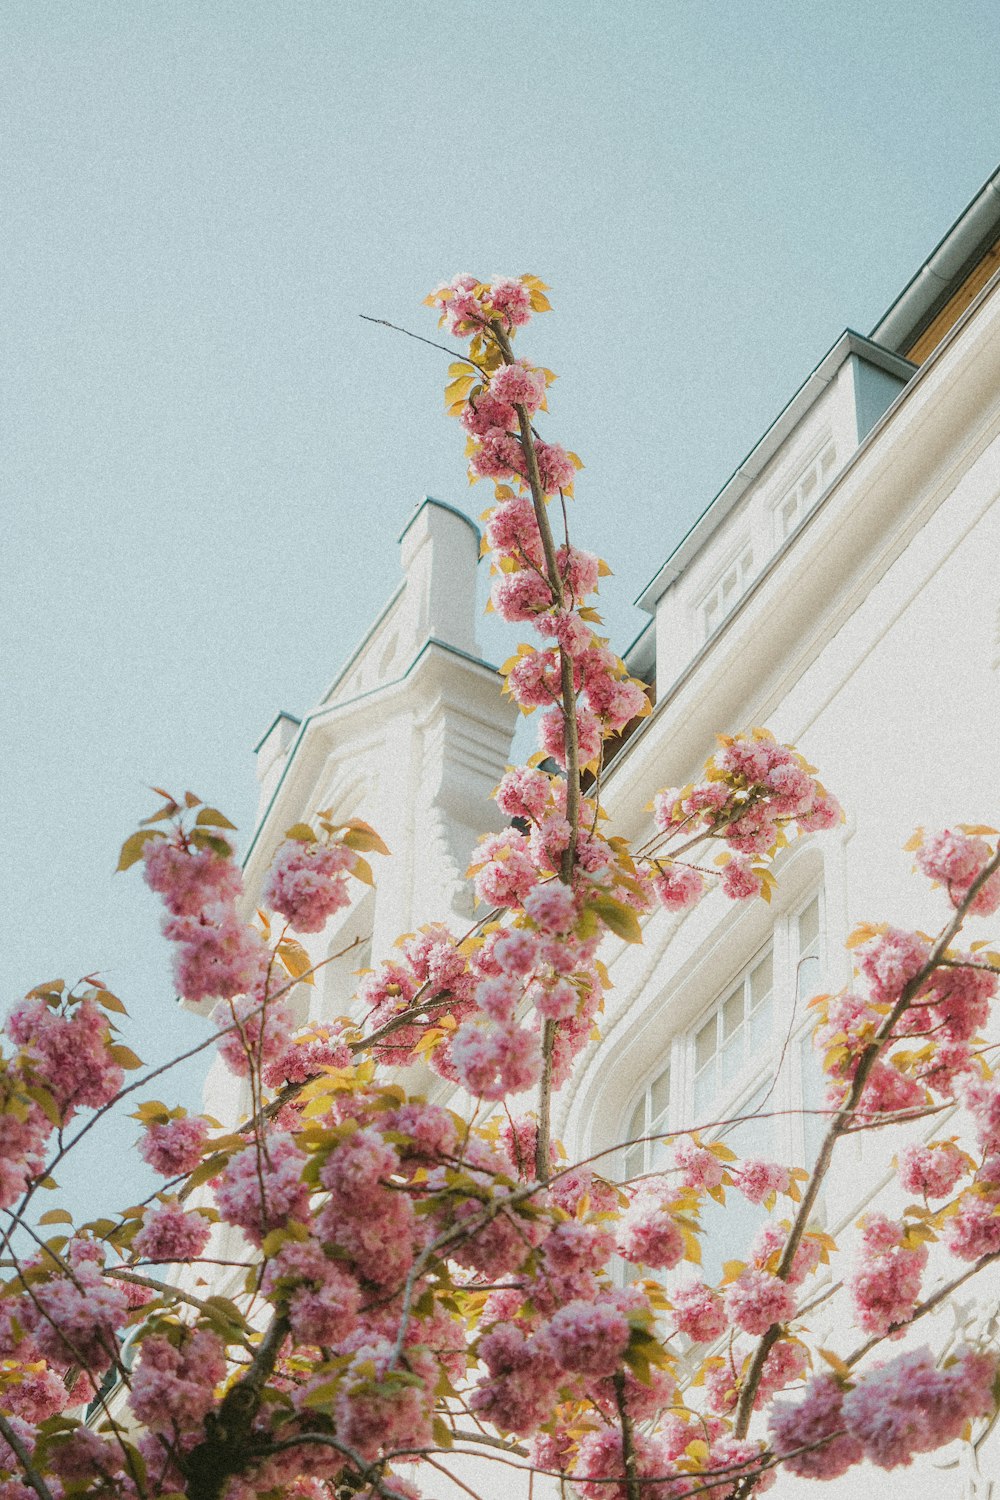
{"x":761,"y":508}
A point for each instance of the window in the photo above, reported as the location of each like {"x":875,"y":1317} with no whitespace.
{"x":649,"y":1115}
{"x":717,"y":604}
{"x":798,"y":500}
{"x":751,"y":1050}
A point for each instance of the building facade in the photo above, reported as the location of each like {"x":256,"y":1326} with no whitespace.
{"x":843,"y":589}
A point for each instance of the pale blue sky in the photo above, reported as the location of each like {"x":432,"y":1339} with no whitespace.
{"x":208,"y":456}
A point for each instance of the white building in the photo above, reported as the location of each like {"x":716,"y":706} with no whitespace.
{"x":843,"y":588}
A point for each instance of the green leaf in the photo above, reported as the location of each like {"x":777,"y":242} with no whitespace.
{"x":56,"y":1216}
{"x":108,"y":1001}
{"x":135,"y":844}
{"x":125,"y":1057}
{"x":213,"y":841}
{"x":296,"y":960}
{"x":302,"y":832}
{"x":621,"y":919}
{"x":211,"y":817}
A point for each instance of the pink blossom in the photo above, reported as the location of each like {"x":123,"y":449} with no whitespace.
{"x":885,"y":1283}
{"x":678,"y":887}
{"x":825,"y":813}
{"x":556,"y":469}
{"x":170,"y":1234}
{"x":379,"y":1407}
{"x":552,"y":735}
{"x":890,"y":961}
{"x":647,"y":1234}
{"x":479,"y":417}
{"x":68,"y":1053}
{"x":975,"y":1229}
{"x":173,"y":1385}
{"x":520,"y":1390}
{"x":173,"y":1147}
{"x":699,"y":1167}
{"x":516,"y":951}
{"x":505,"y":1059}
{"x":955,"y":859}
{"x":817,"y":1416}
{"x":356,"y":1169}
{"x":982,"y":1100}
{"x":757,"y":1180}
{"x":769,"y":1245}
{"x":520,"y":596}
{"x":306,"y":883}
{"x":218,"y":955}
{"x":698,"y":1312}
{"x":523,"y":793}
{"x":285,"y":1195}
{"x":757,"y":1299}
{"x":511,"y":299}
{"x":257,"y":1032}
{"x":73,"y":1322}
{"x":322,"y":1300}
{"x":519,"y":385}
{"x":189,"y":879}
{"x":498,"y":996}
{"x":908,"y":1406}
{"x":580,"y":570}
{"x":556,"y":1001}
{"x":498,"y":456}
{"x":535,"y":679}
{"x":571,"y":632}
{"x":740,"y":882}
{"x":552,"y":907}
{"x":589,"y":1337}
{"x":507,"y":874}
{"x":932,"y":1171}
{"x":600,"y":1461}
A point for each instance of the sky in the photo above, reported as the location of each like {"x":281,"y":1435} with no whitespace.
{"x":207,"y":455}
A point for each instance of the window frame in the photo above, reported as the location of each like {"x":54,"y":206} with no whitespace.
{"x":780,"y":1060}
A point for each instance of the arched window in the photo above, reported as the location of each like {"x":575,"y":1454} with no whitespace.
{"x":743,"y":1072}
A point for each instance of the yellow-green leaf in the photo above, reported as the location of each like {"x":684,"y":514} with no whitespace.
{"x":135,"y":844}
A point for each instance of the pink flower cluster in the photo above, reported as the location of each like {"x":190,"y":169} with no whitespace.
{"x":885,"y":1282}
{"x":647,"y":1233}
{"x":172,"y":1388}
{"x":171,"y":1234}
{"x":307,"y":882}
{"x":750,"y":790}
{"x":261,"y":1190}
{"x":955,"y":859}
{"x":173,"y":1147}
{"x":909,"y":1406}
{"x":757,"y":1299}
{"x":698,"y":1312}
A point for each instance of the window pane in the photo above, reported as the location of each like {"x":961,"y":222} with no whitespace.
{"x":809,"y":928}
{"x":704,"y":1043}
{"x":813,"y":1098}
{"x":809,"y":980}
{"x":637,"y":1124}
{"x":659,"y":1096}
{"x":762,"y":981}
{"x":732,"y":1013}
{"x":634,"y":1161}
{"x":732,"y":1058}
{"x":704,"y":1095}
{"x":761,"y":1025}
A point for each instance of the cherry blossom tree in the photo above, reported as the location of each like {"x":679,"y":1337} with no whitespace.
{"x":415,"y":1281}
